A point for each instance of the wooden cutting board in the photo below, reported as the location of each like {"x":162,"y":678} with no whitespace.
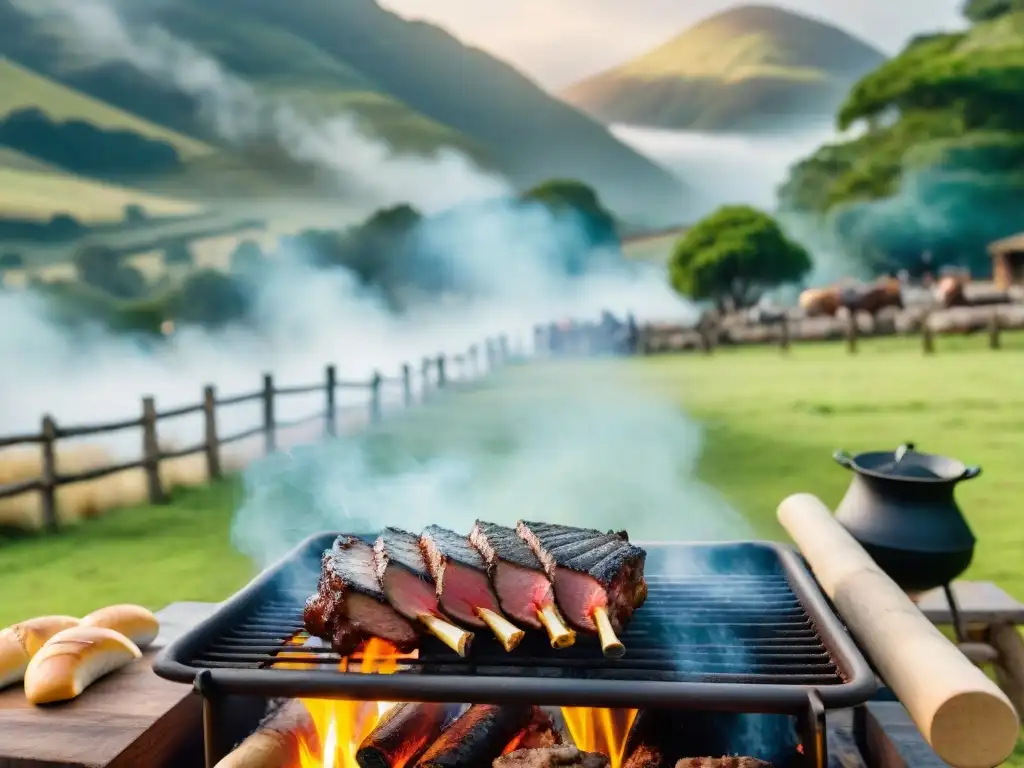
{"x":129,"y":719}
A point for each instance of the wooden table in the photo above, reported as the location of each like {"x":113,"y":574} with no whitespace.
{"x":991,"y":619}
{"x":131,"y":718}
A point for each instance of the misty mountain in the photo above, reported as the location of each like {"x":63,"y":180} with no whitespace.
{"x":753,"y":68}
{"x":411,"y":84}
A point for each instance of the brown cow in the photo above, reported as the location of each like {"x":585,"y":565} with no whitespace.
{"x":876,"y":297}
{"x":950,"y":291}
{"x":816,"y":302}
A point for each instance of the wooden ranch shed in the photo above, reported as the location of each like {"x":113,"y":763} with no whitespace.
{"x":1007,"y":262}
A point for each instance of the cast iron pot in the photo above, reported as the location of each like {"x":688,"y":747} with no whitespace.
{"x":900,"y":508}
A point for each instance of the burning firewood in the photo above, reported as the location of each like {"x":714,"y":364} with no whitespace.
{"x":408,"y":586}
{"x":598,"y":577}
{"x":646,"y":756}
{"x":525,"y":591}
{"x":276,"y":742}
{"x":478,"y":737}
{"x":463,"y":586}
{"x":552,"y":757}
{"x":666,"y":738}
{"x":403,"y":734}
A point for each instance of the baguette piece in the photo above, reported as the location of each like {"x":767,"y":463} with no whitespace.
{"x":136,"y":623}
{"x":74,"y":659}
{"x":20,"y":642}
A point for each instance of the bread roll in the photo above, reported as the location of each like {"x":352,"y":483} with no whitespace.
{"x":74,"y":659}
{"x":133,"y":621}
{"x":20,"y":642}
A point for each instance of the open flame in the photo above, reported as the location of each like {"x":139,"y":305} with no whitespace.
{"x":341,"y":726}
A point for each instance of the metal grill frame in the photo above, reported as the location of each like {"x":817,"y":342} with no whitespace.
{"x":176,"y":661}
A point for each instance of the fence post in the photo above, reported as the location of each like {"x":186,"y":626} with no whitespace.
{"x":48,"y":492}
{"x":331,"y":407}
{"x":213,"y":470}
{"x":269,"y":429}
{"x":442,"y":376}
{"x":407,"y":385}
{"x":851,"y":333}
{"x":994,"y":328}
{"x":927,"y":337}
{"x":375,"y":407}
{"x":151,"y":452}
{"x":784,"y":334}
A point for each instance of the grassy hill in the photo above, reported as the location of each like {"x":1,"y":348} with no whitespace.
{"x":751,"y":68}
{"x":412,"y":85}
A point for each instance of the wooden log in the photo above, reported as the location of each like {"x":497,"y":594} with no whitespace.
{"x":962,"y":714}
{"x":275,"y":744}
{"x":211,"y":442}
{"x":49,"y":475}
{"x":151,"y":452}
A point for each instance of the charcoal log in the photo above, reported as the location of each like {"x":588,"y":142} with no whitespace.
{"x":403,"y":735}
{"x":478,"y":737}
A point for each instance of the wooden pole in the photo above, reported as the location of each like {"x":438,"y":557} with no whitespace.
{"x":851,"y":333}
{"x":151,"y":452}
{"x":375,"y":405}
{"x":269,"y":427}
{"x":994,"y":329}
{"x":442,"y":377}
{"x":48,"y":492}
{"x":407,"y":385}
{"x":927,"y":337}
{"x":962,"y":714}
{"x":212,"y":441}
{"x":784,"y":334}
{"x":331,"y":404}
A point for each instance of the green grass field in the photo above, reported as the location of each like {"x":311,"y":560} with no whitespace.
{"x":771,"y":424}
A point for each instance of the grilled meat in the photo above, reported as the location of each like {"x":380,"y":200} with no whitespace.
{"x":403,"y":575}
{"x":552,"y":757}
{"x":460,"y":574}
{"x":349,"y":605}
{"x":646,"y":756}
{"x":722,"y":762}
{"x":590,"y":570}
{"x":541,"y":732}
{"x":403,"y":734}
{"x":518,"y":576}
{"x":478,"y":737}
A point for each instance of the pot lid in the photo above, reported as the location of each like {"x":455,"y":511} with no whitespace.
{"x":909,"y":464}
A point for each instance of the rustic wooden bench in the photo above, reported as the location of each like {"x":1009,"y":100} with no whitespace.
{"x":990,"y":619}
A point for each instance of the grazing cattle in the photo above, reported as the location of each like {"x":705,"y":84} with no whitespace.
{"x":818,"y":302}
{"x":876,"y":297}
{"x":949,"y":291}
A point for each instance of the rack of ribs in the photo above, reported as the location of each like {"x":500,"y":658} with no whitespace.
{"x":407,"y":585}
{"x":463,"y":587}
{"x":598,"y":577}
{"x":349,"y":604}
{"x":523,"y":588}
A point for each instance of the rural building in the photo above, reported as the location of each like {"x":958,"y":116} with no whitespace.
{"x":1007,"y":261}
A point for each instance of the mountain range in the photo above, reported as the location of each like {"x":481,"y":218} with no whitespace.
{"x":754,"y":68}
{"x":408,"y":83}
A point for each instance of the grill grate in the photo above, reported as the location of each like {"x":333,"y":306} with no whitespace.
{"x":743,"y":625}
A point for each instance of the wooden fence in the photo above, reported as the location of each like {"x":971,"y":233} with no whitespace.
{"x":436,"y":373}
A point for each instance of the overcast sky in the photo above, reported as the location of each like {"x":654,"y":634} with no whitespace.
{"x":558,"y":42}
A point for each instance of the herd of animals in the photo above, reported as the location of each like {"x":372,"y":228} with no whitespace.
{"x":872,"y":298}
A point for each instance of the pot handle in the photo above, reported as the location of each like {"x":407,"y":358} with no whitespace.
{"x":843,"y":459}
{"x":970,"y":473}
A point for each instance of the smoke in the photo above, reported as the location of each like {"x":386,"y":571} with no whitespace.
{"x":365,"y":168}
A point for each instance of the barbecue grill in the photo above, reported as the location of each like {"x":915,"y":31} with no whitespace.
{"x":739,"y":627}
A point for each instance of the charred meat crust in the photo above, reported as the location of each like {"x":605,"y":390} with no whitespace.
{"x":350,"y":565}
{"x":552,"y":757}
{"x":397,"y":547}
{"x":722,"y":762}
{"x":645,"y":756}
{"x":499,"y":543}
{"x":478,"y":737}
{"x":451,"y":546}
{"x":602,"y":556}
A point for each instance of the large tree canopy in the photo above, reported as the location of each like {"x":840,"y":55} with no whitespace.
{"x":733,"y":256}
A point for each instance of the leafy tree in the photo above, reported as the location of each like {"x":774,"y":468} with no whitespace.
{"x":562,"y":195}
{"x":134,"y":214}
{"x":986,"y":10}
{"x":127,"y":282}
{"x":733,"y":256}
{"x":12,"y":260}
{"x":212,"y":299}
{"x":247,"y":257}
{"x":97,"y":265}
{"x":178,"y":254}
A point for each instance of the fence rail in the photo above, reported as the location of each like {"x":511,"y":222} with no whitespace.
{"x":434,"y":372}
